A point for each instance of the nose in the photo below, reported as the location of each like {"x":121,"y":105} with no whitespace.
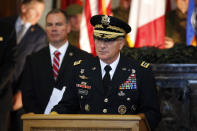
{"x":102,"y":44}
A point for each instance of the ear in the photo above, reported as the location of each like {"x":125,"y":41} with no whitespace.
{"x":23,"y":8}
{"x":68,"y":28}
{"x":122,"y":43}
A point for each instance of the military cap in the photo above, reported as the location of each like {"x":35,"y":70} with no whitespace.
{"x":73,"y":9}
{"x":109,"y":28}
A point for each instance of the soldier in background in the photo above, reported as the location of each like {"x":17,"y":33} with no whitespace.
{"x":176,"y":24}
{"x":74,"y":12}
{"x":122,"y":12}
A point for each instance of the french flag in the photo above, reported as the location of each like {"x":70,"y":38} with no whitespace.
{"x":147,"y":20}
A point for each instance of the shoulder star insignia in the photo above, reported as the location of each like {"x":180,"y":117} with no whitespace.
{"x":77,"y":62}
{"x":145,"y":64}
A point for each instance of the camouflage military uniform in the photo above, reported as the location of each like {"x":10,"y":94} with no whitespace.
{"x":73,"y":38}
{"x":121,"y":14}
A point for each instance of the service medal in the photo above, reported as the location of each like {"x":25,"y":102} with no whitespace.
{"x":122,"y":109}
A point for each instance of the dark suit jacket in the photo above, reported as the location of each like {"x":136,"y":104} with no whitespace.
{"x":33,"y":40}
{"x":7,"y":50}
{"x":132,"y":91}
{"x":38,"y":80}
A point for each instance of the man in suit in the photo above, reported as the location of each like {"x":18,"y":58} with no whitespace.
{"x":45,"y":73}
{"x":29,"y":38}
{"x":111,"y":83}
{"x":7,"y":62}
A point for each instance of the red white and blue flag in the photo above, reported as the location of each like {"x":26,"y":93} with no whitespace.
{"x":147,"y":20}
{"x":91,"y":8}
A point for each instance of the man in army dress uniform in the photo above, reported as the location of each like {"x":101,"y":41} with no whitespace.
{"x":111,"y":83}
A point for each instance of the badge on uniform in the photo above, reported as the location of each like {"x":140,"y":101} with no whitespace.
{"x":122,"y":109}
{"x":83,"y":85}
{"x":87,"y":108}
{"x":77,"y":62}
{"x":93,"y":68}
{"x":121,"y":93}
{"x":82,"y":92}
{"x":133,"y":108}
{"x":130,"y":83}
{"x":82,"y":71}
{"x":145,"y":64}
{"x":83,"y":77}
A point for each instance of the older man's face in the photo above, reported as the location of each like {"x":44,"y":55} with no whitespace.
{"x":108,"y":51}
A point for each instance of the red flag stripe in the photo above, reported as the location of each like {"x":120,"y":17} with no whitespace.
{"x":154,"y":36}
{"x":89,"y":26}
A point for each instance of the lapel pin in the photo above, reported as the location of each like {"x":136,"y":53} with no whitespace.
{"x":32,"y":29}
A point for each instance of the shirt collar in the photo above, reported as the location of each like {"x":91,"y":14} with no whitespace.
{"x":113,"y":65}
{"x":20,"y":22}
{"x":62,"y":49}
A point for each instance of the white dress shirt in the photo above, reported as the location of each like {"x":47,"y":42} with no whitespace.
{"x":113,"y":66}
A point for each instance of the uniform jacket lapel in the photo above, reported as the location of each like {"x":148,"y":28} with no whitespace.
{"x":98,"y":77}
{"x":49,"y":69}
{"x":65,"y":67}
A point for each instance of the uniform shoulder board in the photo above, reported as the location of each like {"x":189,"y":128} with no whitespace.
{"x":77,"y":62}
{"x":145,"y":64}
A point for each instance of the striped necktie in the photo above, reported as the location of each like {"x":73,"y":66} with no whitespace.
{"x":56,"y":64}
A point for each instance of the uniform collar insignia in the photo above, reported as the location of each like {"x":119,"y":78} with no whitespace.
{"x":1,"y":38}
{"x":145,"y":64}
{"x":77,"y":62}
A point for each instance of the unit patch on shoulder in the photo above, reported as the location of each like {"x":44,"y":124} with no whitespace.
{"x":77,"y":62}
{"x":145,"y":64}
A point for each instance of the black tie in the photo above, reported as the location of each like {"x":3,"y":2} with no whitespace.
{"x":106,"y":78}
